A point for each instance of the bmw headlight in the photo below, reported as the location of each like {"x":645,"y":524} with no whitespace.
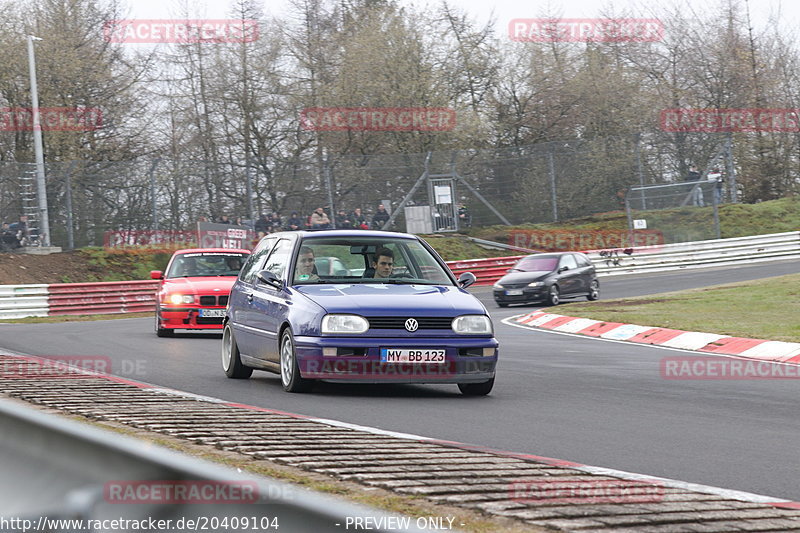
{"x":181,"y":299}
{"x":536,"y":284}
{"x":344,"y":324}
{"x":472,"y":325}
{"x":497,"y":285}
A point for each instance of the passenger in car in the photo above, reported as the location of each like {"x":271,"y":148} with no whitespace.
{"x":306,"y":270}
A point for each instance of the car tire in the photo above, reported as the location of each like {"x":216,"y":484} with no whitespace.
{"x":553,"y":296}
{"x":231,"y":361}
{"x":162,"y":332}
{"x":476,"y":389}
{"x":290,"y":370}
{"x":594,"y":291}
{"x":501,"y":305}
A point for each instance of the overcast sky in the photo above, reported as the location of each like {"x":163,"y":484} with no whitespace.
{"x":505,"y":10}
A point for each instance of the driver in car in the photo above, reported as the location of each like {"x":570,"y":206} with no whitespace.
{"x":383,"y":263}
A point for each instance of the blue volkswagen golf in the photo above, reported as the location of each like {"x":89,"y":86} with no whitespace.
{"x":391,"y":312}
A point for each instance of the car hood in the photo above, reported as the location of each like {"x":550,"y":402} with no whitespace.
{"x":524,"y":277}
{"x":382,"y":299}
{"x":201,"y":285}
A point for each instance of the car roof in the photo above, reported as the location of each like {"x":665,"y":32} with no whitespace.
{"x":345,"y":233}
{"x":546,"y":255}
{"x":198,"y":250}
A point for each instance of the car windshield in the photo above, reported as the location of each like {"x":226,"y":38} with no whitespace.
{"x":367,"y":260}
{"x":536,"y":264}
{"x":200,"y":264}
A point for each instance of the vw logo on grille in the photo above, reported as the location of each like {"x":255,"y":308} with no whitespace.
{"x":411,"y":324}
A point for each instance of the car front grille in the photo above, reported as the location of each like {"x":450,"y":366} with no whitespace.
{"x":392,"y":322}
{"x":212,"y":300}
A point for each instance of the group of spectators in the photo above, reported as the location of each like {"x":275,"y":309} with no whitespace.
{"x":318,"y":219}
{"x":16,"y":234}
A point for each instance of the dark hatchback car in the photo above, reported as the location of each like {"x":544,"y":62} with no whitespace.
{"x":548,"y":278}
{"x":393,"y":314}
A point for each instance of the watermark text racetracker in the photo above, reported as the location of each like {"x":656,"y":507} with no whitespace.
{"x":378,"y":119}
{"x":547,"y":30}
{"x":583,"y":240}
{"x":51,"y":118}
{"x":181,"y":31}
{"x":731,"y":120}
{"x":68,"y":367}
{"x":723,"y":368}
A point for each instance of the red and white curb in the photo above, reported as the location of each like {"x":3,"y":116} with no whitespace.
{"x":595,"y":470}
{"x":712,"y":343}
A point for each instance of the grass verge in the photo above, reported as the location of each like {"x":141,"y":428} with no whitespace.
{"x":762,"y":309}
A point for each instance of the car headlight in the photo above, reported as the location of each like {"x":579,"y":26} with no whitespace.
{"x":536,"y":284}
{"x":472,"y":325}
{"x":497,"y":285}
{"x":181,"y":299}
{"x":344,"y":324}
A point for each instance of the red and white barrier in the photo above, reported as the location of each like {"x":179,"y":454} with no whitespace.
{"x":19,"y":301}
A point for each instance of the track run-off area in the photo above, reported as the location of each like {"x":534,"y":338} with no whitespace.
{"x":585,"y":400}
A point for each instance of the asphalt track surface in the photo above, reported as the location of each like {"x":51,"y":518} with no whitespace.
{"x":580,"y":399}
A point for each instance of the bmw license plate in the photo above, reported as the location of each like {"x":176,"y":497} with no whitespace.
{"x":212,"y":313}
{"x":391,"y":355}
{"x":514,"y":292}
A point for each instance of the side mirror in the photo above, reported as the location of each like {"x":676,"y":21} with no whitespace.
{"x":466,"y":279}
{"x":562,"y":269}
{"x":269,"y":278}
{"x":156,"y":274}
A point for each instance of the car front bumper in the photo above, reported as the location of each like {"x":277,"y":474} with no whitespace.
{"x":188,"y":318}
{"x":368,"y":368}
{"x":529,"y":294}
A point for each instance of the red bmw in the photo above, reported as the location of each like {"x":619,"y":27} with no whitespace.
{"x":193,"y":294}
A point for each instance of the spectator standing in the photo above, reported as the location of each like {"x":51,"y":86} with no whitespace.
{"x":294,"y":223}
{"x":715,"y":177}
{"x":319,"y":219}
{"x":275,"y":221}
{"x":224,"y":220}
{"x":262,"y":226}
{"x":380,"y":217}
{"x":697,"y":193}
{"x":359,"y":219}
{"x":343,"y":220}
{"x":464,"y":216}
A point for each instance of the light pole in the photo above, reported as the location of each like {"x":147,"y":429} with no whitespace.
{"x":41,"y":189}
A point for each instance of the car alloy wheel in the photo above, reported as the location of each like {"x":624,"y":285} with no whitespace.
{"x":290,"y":371}
{"x":594,"y":291}
{"x":231,"y":361}
{"x":552,"y":295}
{"x":162,"y":332}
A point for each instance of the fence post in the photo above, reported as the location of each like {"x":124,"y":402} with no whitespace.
{"x":552,"y":171}
{"x":326,"y":167}
{"x":153,"y":192}
{"x":730,"y":168}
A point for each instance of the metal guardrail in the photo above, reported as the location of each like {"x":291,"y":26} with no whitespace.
{"x":17,"y":301}
{"x":97,"y":298}
{"x":57,"y":469}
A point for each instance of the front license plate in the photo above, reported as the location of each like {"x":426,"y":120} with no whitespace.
{"x":514,"y":292}
{"x":212,"y":313}
{"x":390,"y":355}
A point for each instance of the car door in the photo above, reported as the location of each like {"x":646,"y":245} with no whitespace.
{"x":270,"y":304}
{"x":241,"y":299}
{"x":585,"y":273}
{"x":569,"y":276}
